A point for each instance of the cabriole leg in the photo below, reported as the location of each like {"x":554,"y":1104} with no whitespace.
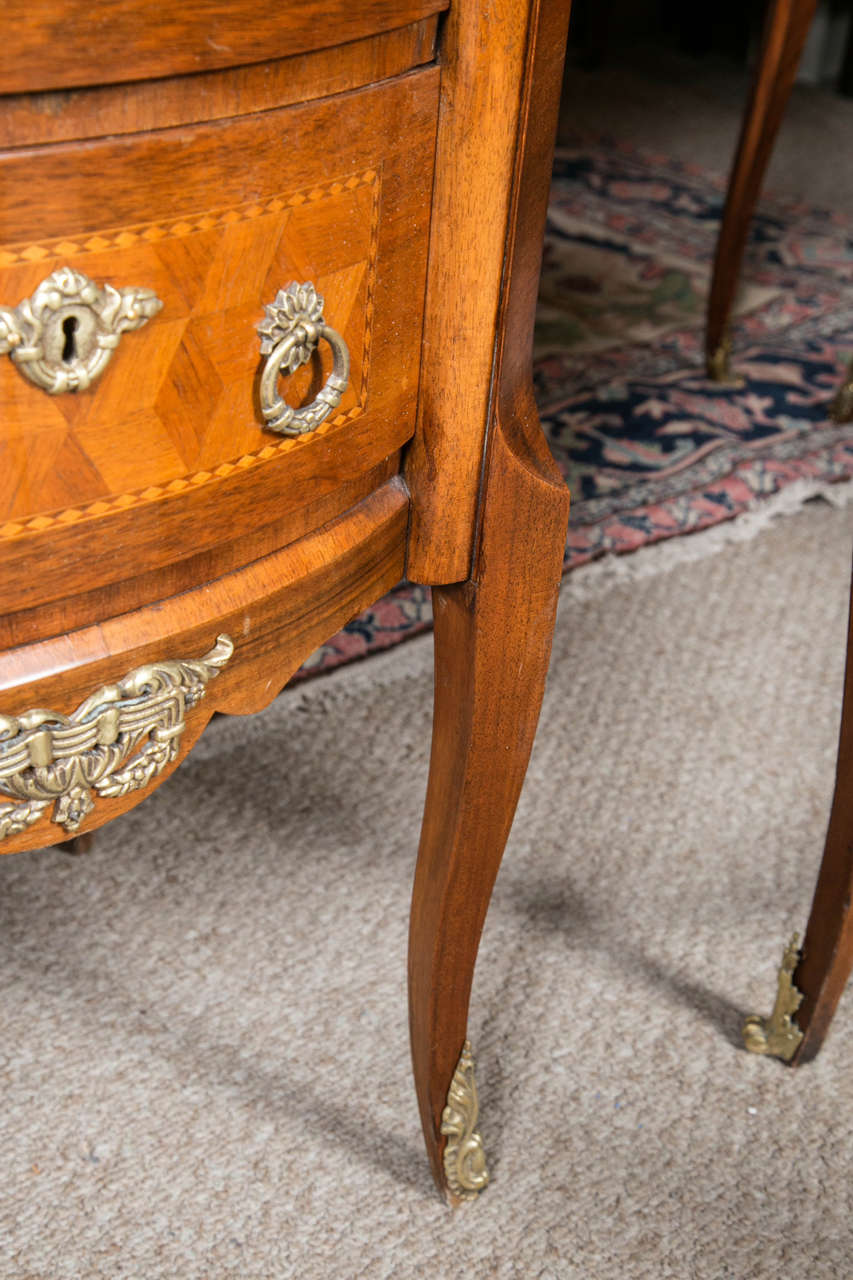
{"x":820,"y":971}
{"x":827,"y":955}
{"x":492,"y":644}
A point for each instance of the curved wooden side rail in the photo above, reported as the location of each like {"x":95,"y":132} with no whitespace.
{"x":95,"y":111}
{"x":785,"y":32}
{"x":492,"y":644}
{"x":64,"y":46}
{"x":276,"y":611}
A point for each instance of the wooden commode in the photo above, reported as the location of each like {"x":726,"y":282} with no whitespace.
{"x":267,"y":281}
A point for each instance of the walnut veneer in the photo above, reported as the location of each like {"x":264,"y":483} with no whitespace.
{"x":396,"y":154}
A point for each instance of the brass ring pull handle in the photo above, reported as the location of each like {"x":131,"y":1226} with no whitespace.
{"x":63,"y":337}
{"x":290,"y":332}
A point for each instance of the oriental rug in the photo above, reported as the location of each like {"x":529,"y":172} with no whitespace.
{"x":650,"y":448}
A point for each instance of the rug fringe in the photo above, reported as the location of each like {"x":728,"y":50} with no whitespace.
{"x":592,"y":580}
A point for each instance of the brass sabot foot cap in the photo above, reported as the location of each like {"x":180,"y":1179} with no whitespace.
{"x":779,"y":1036}
{"x":464,"y":1157}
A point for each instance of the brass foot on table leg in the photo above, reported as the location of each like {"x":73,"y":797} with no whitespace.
{"x":464,"y":1157}
{"x":841,"y":409}
{"x":779,"y":1036}
{"x":719,"y":365}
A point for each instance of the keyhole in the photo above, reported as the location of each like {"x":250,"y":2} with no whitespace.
{"x":69,"y":346}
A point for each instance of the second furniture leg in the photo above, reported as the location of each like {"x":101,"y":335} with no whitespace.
{"x":811,"y":985}
{"x":492,"y":644}
{"x":785,"y":32}
{"x":827,"y":955}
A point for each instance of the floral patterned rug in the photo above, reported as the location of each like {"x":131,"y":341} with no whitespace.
{"x":650,"y":448}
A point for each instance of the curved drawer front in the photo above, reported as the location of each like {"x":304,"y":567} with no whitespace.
{"x":165,"y":454}
{"x":52,"y":45}
{"x":91,"y":721}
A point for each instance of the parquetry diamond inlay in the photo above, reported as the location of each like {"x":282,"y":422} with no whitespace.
{"x":184,"y":390}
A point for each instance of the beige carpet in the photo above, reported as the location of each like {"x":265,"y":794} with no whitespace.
{"x":204,"y":1055}
{"x":692,"y":109}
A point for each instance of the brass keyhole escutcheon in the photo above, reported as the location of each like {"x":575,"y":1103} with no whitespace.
{"x":63,"y":337}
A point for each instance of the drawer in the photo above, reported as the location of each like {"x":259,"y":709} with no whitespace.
{"x":92,"y":720}
{"x":59,"y":44}
{"x":165,"y":457}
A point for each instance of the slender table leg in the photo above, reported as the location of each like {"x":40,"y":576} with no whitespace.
{"x":841,"y":409}
{"x":812,"y":982}
{"x":827,"y":956}
{"x":492,"y":644}
{"x":785,"y":34}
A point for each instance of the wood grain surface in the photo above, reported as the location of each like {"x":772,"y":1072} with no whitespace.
{"x":59,"y":44}
{"x":73,"y":114}
{"x":481,"y":107}
{"x":133,"y":590}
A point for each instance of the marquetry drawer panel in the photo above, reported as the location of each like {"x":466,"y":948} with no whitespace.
{"x":166,"y":454}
